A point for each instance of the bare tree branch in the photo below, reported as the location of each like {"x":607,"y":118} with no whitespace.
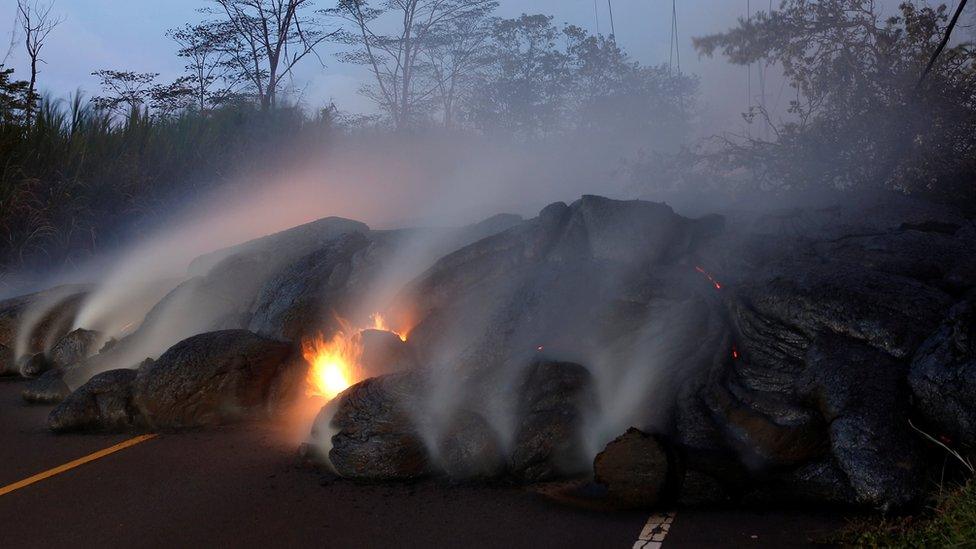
{"x":37,"y":22}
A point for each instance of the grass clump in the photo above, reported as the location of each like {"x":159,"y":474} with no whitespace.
{"x":949,"y":522}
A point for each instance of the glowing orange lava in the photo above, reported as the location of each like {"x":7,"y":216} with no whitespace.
{"x":379,"y":323}
{"x":716,"y":283}
{"x":333,"y":363}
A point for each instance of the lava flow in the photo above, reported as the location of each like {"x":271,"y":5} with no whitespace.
{"x":718,"y":286}
{"x":379,"y":323}
{"x":332,"y":362}
{"x":335,"y":362}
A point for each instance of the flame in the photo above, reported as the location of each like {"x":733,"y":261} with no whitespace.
{"x":379,"y":323}
{"x":333,"y":363}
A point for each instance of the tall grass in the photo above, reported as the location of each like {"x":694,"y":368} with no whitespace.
{"x":949,"y":522}
{"x":76,"y":181}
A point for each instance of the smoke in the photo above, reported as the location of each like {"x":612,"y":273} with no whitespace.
{"x":602,"y":288}
{"x":432,"y":180}
{"x":47,"y":316}
{"x":148,"y":294}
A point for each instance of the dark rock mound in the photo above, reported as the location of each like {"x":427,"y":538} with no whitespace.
{"x":943,"y":377}
{"x":50,"y":388}
{"x":385,"y":353}
{"x":74,"y":347}
{"x":638,"y":469}
{"x":811,"y":401}
{"x":56,"y":321}
{"x":384,"y":429}
{"x":104,"y":402}
{"x":299,"y":299}
{"x":222,"y":293}
{"x":215,"y":378}
{"x":554,"y":399}
{"x":781,"y":353}
{"x":35,"y":365}
{"x":469,"y":449}
{"x":284,"y":246}
{"x":376,"y":436}
{"x":599,"y":282}
{"x":8,"y":364}
{"x":350,"y":271}
{"x":14,"y":311}
{"x":861,"y":395}
{"x":11,"y":312}
{"x":375,"y":433}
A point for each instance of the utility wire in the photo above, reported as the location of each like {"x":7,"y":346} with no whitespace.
{"x":749,"y":68}
{"x":596,"y":15}
{"x":903,"y":146}
{"x":675,"y":52}
{"x":944,"y":42}
{"x":613,"y":31}
{"x":763,"y":68}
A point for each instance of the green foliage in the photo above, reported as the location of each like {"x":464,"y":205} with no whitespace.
{"x":13,"y":96}
{"x":522,"y":91}
{"x":612,"y":94}
{"x":860,"y":118}
{"x":78,"y":181}
{"x":543,"y":81}
{"x":950,"y":522}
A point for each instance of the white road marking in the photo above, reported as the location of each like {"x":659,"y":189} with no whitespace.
{"x":654,"y":532}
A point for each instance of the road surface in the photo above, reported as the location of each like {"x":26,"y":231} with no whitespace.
{"x":245,"y":486}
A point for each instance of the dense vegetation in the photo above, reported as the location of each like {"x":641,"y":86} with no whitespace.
{"x":949,"y":522}
{"x":76,"y":181}
{"x":863,"y":115}
{"x":80,"y":175}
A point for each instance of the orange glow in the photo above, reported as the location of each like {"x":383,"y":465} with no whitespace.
{"x":333,"y":363}
{"x":710,"y":278}
{"x":379,"y":323}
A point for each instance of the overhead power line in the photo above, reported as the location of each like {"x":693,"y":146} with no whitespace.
{"x":945,"y":40}
{"x":596,"y":14}
{"x":675,"y":52}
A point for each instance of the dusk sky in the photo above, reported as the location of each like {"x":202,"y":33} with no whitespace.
{"x":109,"y":34}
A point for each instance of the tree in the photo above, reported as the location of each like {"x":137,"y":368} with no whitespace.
{"x":37,"y":22}
{"x":454,"y":55}
{"x":124,"y":91}
{"x":612,"y":94}
{"x":855,"y":76}
{"x":524,"y":89}
{"x":535,"y":80}
{"x":266,"y":39}
{"x":170,"y":99}
{"x":13,"y":97}
{"x":204,"y":46}
{"x":401,"y":84}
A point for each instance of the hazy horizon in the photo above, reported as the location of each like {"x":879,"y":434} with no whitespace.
{"x":89,"y":39}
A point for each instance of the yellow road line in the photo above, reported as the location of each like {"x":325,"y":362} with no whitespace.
{"x":72,"y":464}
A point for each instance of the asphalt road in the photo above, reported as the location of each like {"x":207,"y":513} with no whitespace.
{"x":245,"y":486}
